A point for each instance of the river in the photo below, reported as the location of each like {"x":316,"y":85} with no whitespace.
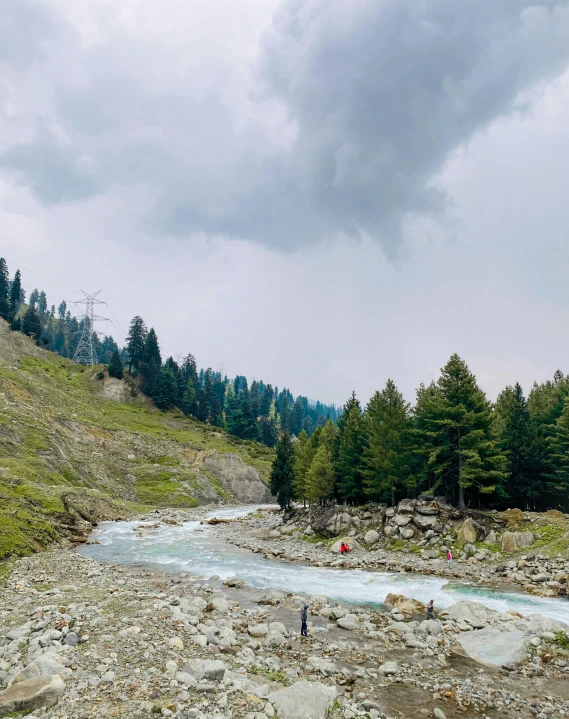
{"x":195,"y":549}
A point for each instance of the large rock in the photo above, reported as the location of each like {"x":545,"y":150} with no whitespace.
{"x":406,"y":506}
{"x":401,"y":520}
{"x":425,"y":521}
{"x":212,"y":669}
{"x":470,"y":532}
{"x":31,"y":694}
{"x":405,"y":606}
{"x":243,"y":481}
{"x":304,"y":700}
{"x":514,"y":541}
{"x":332,"y":523}
{"x":371,"y":537}
{"x":407,"y":532}
{"x":473,"y":613}
{"x":428,"y":508}
{"x":493,"y":647}
{"x":350,"y":622}
{"x":350,"y":541}
{"x":323,"y":665}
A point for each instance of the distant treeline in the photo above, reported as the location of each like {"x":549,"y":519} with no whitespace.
{"x":257,"y":411}
{"x":453,"y":442}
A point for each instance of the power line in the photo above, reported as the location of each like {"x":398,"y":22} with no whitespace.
{"x":21,"y":267}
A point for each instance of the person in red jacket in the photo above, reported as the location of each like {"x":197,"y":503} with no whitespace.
{"x":344,"y":549}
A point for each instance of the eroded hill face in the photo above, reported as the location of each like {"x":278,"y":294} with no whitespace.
{"x":74,"y":445}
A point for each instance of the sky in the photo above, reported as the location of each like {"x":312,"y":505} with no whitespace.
{"x":320,"y":195}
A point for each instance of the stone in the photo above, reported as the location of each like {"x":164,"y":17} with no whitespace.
{"x":424,"y":522}
{"x":332,"y":523}
{"x":31,"y":694}
{"x":473,"y":613}
{"x":469,"y":550}
{"x":211,"y":669}
{"x":175,"y":643}
{"x":405,"y":606}
{"x":234,"y":582}
{"x":439,"y":713}
{"x":401,"y":520}
{"x":493,"y":647}
{"x":323,"y":665}
{"x":470,"y":532}
{"x":278,"y":628}
{"x":258,"y":630}
{"x":388,"y":668}
{"x":304,"y":700}
{"x":350,"y":541}
{"x":514,"y":541}
{"x":428,"y":508}
{"x":349,"y":622}
{"x":491,"y":538}
{"x":407,"y":532}
{"x":272,"y":598}
{"x":186,"y":679}
{"x":371,"y":537}
{"x":406,"y":506}
{"x":220,"y":605}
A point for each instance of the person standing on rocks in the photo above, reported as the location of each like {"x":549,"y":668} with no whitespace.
{"x":304,"y":621}
{"x":449,"y":559}
{"x":431,"y":609}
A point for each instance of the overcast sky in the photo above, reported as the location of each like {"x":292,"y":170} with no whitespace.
{"x":319,"y":194}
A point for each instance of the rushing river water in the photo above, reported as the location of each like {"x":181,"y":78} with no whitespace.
{"x":194,"y":548}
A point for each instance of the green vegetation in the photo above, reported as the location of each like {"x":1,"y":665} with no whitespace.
{"x":561,"y":639}
{"x":274,"y":676}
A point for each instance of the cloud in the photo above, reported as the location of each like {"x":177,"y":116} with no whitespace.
{"x":335,"y":125}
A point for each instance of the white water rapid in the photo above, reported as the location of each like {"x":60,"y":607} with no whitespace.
{"x":194,"y":548}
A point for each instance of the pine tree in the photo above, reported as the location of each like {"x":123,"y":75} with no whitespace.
{"x":282,"y":472}
{"x":320,"y":477}
{"x":255,"y":398}
{"x":115,"y":366}
{"x":269,"y":434}
{"x":150,"y":363}
{"x":31,"y":324}
{"x":136,"y":342}
{"x":558,"y":474}
{"x":468,"y":455}
{"x":266,"y":401}
{"x":517,"y":436}
{"x":386,"y":461}
{"x":34,"y":297}
{"x":349,"y":453}
{"x":16,"y":294}
{"x":5,"y":311}
{"x":42,"y":305}
{"x":165,"y":389}
{"x":62,"y":309}
{"x":303,"y":455}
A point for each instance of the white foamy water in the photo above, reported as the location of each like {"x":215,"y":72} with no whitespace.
{"x":195,"y":549}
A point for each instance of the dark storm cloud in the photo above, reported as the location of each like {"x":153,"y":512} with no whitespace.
{"x":376,"y":93}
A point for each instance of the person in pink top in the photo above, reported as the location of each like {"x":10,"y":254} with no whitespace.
{"x":449,"y":559}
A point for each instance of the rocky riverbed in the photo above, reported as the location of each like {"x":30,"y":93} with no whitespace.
{"x":483,"y":549}
{"x":80,"y":640}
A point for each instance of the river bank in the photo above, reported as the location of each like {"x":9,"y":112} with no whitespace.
{"x":104,"y":639}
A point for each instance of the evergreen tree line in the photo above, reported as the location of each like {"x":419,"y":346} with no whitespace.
{"x":453,"y":442}
{"x":255,"y":412}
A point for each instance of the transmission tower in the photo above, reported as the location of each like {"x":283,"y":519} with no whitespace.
{"x":85,"y":352}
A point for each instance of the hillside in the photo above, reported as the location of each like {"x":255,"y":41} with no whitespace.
{"x":73,"y":445}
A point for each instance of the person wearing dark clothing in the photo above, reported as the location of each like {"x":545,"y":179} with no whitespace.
{"x":304,"y":621}
{"x":431,"y":609}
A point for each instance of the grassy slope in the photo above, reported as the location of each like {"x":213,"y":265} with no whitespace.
{"x":64,"y":446}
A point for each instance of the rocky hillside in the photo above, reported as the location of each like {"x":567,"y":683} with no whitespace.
{"x":75,"y":446}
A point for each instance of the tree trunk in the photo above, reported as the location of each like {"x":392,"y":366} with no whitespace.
{"x":461,"y":504}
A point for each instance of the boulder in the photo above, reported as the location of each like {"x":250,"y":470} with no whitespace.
{"x":405,"y":606}
{"x":31,"y":694}
{"x":388,"y":668}
{"x":406,"y":506}
{"x":323,"y":665}
{"x":425,"y":521}
{"x":493,"y":647}
{"x":304,"y":700}
{"x":332,"y":523}
{"x":349,"y":622}
{"x":350,"y":541}
{"x":401,"y":520}
{"x":470,"y":532}
{"x":212,"y":669}
{"x":258,"y":630}
{"x":427,"y":508}
{"x":371,"y":537}
{"x":272,"y":597}
{"x":473,"y":613}
{"x":514,"y":541}
{"x":491,"y":538}
{"x":407,"y":532}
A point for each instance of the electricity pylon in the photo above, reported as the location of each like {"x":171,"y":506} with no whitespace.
{"x":85,"y":352}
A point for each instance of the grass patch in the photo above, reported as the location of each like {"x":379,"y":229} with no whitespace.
{"x":278,"y":676}
{"x":552,"y":538}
